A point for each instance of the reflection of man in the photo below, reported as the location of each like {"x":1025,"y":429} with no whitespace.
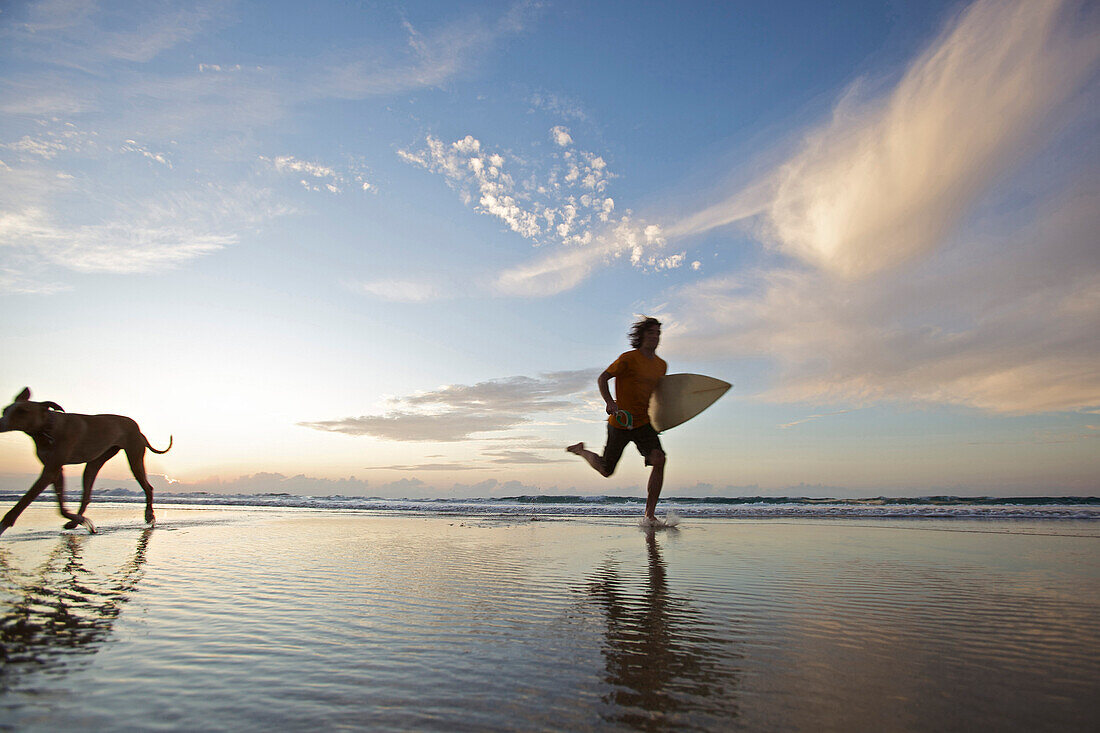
{"x":669,"y":665}
{"x":636,"y":374}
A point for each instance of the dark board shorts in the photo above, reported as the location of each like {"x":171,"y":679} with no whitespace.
{"x":644,"y":437}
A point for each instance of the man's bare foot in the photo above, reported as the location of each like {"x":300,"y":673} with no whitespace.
{"x":576,"y":448}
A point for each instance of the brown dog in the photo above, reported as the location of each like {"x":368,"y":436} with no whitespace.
{"x":61,"y":438}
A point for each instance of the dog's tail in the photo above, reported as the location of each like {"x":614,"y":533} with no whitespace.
{"x":150,"y":445}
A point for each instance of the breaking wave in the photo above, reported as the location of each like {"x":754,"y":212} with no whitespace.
{"x":972,"y":507}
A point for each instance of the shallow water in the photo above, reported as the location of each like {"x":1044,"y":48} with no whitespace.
{"x":245,"y":619}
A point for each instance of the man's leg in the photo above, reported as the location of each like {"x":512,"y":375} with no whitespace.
{"x":605,"y":464}
{"x":593,"y":460}
{"x":656,"y":481}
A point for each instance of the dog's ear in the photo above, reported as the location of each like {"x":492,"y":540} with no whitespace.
{"x":54,"y":406}
{"x":23,"y":396}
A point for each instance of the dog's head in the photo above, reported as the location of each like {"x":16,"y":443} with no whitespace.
{"x":22,"y":414}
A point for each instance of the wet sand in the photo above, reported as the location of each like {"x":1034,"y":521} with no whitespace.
{"x":247,"y":619}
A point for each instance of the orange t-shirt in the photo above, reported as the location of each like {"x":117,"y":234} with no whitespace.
{"x":636,"y":376}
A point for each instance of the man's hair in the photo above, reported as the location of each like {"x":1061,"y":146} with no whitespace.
{"x":637,"y":331}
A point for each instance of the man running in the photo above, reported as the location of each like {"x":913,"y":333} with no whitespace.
{"x":636,"y":373}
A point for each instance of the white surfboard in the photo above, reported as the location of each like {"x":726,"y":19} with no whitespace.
{"x":680,"y":397}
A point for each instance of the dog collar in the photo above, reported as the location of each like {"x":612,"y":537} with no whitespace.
{"x":45,"y":431}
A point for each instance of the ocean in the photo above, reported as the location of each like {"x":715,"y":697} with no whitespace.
{"x":547,"y":614}
{"x":743,"y":507}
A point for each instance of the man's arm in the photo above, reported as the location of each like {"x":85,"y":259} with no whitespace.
{"x":605,"y":392}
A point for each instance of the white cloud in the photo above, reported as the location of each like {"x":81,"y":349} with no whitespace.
{"x":559,"y":203}
{"x":289,"y":163}
{"x":923,"y":260}
{"x":218,"y":68}
{"x":131,"y":146}
{"x":1006,"y":322}
{"x":31,"y":146}
{"x":458,"y":412}
{"x":889,"y":179}
{"x":560,"y":136}
{"x":881,"y":185}
{"x":564,"y":203}
{"x":53,"y":141}
{"x":447,"y":427}
{"x":319,"y":177}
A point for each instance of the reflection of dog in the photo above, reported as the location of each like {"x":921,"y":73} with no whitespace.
{"x":62,"y":438}
{"x":64,"y":606}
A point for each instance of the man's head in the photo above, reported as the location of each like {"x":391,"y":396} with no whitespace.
{"x":639,"y":331}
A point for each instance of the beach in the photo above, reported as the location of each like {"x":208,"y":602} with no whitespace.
{"x":244,"y":618}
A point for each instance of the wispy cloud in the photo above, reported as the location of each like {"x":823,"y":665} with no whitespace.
{"x":1008,"y":322}
{"x":130,"y":236}
{"x":459,"y":412}
{"x":52,"y":140}
{"x":126,"y":245}
{"x":490,"y":460}
{"x":84,"y":95}
{"x":60,"y":29}
{"x":400,"y":291}
{"x":889,"y":178}
{"x":522,"y":457}
{"x":447,"y":466}
{"x":924,"y":261}
{"x":560,"y":105}
{"x":810,"y":418}
{"x":641,"y":244}
{"x":430,"y":59}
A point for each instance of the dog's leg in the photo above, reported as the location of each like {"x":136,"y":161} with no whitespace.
{"x":74,"y":519}
{"x":136,"y":456}
{"x":36,"y":488}
{"x":91,"y":470}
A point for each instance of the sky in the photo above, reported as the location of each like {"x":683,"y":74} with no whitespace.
{"x":386,"y":248}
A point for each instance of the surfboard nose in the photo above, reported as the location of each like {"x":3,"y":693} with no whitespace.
{"x":680,"y":397}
